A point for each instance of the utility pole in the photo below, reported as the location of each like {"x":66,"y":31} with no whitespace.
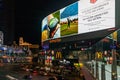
{"x":97,"y":71}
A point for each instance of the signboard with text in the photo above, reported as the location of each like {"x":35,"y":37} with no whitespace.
{"x":95,"y":15}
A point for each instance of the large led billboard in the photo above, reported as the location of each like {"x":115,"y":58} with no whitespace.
{"x":83,"y":16}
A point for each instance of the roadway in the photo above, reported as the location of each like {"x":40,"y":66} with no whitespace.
{"x":14,"y":72}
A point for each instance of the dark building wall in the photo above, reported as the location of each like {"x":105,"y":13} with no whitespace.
{"x":1,"y":16}
{"x":8,"y":28}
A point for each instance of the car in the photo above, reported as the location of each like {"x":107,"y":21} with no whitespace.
{"x":44,"y":73}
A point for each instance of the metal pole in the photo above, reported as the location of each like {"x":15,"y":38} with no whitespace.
{"x":114,"y":65}
{"x":97,"y":71}
{"x":103,"y":77}
{"x":114,"y":62}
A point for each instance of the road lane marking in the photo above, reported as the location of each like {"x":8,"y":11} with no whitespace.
{"x":10,"y":77}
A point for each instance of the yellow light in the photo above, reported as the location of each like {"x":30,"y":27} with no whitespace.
{"x":81,"y":64}
{"x":78,"y":64}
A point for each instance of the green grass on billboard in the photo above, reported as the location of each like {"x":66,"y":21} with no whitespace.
{"x":57,"y":15}
{"x":72,"y":30}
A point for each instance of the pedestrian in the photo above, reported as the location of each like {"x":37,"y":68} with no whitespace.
{"x":30,"y":77}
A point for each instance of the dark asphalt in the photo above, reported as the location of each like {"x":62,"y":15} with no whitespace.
{"x":13,"y":70}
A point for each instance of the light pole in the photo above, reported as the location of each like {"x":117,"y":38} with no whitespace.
{"x":114,"y":63}
{"x":103,"y":75}
{"x":97,"y":71}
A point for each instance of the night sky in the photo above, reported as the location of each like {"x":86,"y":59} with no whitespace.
{"x":29,"y":15}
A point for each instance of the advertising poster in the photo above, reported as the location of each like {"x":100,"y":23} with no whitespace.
{"x":69,"y":20}
{"x":44,"y":30}
{"x":53,"y":24}
{"x":95,"y":15}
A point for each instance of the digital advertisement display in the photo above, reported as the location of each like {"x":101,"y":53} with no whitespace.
{"x":53,"y":24}
{"x":44,"y":30}
{"x":96,"y":15}
{"x":80,"y":17}
{"x":69,"y":20}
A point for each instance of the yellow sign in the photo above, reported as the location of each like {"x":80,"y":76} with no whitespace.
{"x":58,"y":55}
{"x":99,"y":55}
{"x":115,"y":35}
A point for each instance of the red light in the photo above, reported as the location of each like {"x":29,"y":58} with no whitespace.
{"x":35,"y":71}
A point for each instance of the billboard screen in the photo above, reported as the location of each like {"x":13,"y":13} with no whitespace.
{"x":96,"y":15}
{"x":69,"y":20}
{"x":44,"y":30}
{"x":53,"y":24}
{"x":83,"y":16}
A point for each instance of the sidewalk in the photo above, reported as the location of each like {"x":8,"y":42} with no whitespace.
{"x":71,"y":76}
{"x":87,"y":74}
{"x":1,"y":64}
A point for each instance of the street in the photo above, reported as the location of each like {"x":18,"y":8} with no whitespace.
{"x":13,"y":72}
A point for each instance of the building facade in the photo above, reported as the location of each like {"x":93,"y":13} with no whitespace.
{"x":7,"y":20}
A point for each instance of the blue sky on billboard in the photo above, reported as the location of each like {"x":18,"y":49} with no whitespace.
{"x":71,"y":10}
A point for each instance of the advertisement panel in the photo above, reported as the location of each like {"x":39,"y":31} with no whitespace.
{"x":69,"y":20}
{"x":44,"y":30}
{"x":53,"y":24}
{"x":83,"y":16}
{"x":95,"y":15}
